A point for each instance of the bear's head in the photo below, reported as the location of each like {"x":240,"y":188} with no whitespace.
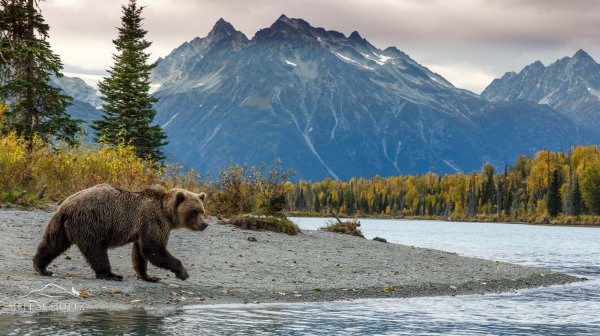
{"x":187,"y":209}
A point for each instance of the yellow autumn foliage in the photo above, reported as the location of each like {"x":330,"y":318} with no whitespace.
{"x":53,"y":173}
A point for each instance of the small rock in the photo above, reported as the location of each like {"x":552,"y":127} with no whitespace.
{"x":252,"y":239}
{"x":381,"y":240}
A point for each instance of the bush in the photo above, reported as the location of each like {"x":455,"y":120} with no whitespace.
{"x":240,"y":190}
{"x":39,"y":171}
{"x":265,"y":223}
{"x":271,"y":189}
{"x":346,"y":227}
{"x":233,"y":192}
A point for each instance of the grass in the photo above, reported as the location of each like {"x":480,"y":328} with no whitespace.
{"x":346,"y":227}
{"x":579,"y":220}
{"x":265,"y":223}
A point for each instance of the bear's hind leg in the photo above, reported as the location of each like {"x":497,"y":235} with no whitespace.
{"x":53,"y":244}
{"x":140,"y":264}
{"x":97,"y":257}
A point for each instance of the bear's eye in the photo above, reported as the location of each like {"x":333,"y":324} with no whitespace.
{"x":192,"y":215}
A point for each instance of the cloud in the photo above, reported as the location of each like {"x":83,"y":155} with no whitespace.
{"x":490,"y":36}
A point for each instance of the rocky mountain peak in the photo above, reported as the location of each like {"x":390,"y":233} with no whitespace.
{"x":533,"y":68}
{"x":355,"y":36}
{"x":224,"y":30}
{"x":286,"y":29}
{"x":571,"y":85}
{"x":581,"y":55}
{"x":283,"y":18}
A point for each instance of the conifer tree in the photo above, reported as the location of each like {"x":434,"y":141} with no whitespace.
{"x":576,"y":200}
{"x":27,"y":65}
{"x":128,"y":106}
{"x":553,"y":200}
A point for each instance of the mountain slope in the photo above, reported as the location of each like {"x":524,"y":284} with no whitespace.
{"x":85,"y":100}
{"x":323,"y":103}
{"x":79,"y":90}
{"x":571,"y":85}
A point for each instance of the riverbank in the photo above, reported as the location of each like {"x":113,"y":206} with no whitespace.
{"x":571,"y":221}
{"x":230,"y":265}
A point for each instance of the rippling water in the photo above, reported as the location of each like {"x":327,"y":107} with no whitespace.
{"x":557,"y":310}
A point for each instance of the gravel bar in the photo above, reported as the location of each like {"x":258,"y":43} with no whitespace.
{"x":225,"y":266}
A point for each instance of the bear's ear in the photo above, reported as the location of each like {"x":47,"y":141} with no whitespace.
{"x":179,"y":198}
{"x":202,"y":196}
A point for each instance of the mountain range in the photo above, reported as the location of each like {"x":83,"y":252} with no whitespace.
{"x":330,"y":105}
{"x":571,"y":85}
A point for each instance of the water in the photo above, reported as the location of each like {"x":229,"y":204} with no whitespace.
{"x":558,"y":310}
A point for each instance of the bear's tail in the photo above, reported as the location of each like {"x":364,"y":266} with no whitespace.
{"x":53,"y":244}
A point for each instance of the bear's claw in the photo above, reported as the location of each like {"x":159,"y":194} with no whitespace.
{"x":182,"y":275}
{"x":43,"y":272}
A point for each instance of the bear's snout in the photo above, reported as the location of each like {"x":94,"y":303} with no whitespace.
{"x":200,"y":226}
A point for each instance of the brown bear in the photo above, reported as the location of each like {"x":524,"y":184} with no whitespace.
{"x":104,"y":216}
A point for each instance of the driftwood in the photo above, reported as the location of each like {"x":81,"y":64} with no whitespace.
{"x":336,"y":217}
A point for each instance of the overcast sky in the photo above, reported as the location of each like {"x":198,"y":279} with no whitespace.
{"x":469,"y":42}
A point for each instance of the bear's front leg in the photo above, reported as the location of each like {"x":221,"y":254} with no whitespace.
{"x":140,"y":264}
{"x":160,"y":257}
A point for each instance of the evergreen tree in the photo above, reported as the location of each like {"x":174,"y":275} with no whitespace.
{"x":488,"y":188}
{"x":27,"y":65}
{"x":128,"y":106}
{"x":576,"y":200}
{"x":317,"y":205}
{"x":349,"y":201}
{"x":472,"y":198}
{"x":553,"y":200}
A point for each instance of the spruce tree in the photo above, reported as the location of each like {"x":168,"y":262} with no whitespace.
{"x":576,"y":200}
{"x":128,"y":106}
{"x":27,"y":64}
{"x":553,"y":200}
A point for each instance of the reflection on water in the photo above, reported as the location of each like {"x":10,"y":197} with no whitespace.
{"x":558,"y":310}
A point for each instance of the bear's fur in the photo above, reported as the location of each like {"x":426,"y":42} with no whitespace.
{"x":104,"y":216}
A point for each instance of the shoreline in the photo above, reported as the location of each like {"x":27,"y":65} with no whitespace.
{"x":226,"y":267}
{"x":439,"y":219}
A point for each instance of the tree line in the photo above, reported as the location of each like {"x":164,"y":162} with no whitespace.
{"x":32,"y":107}
{"x":532,"y":189}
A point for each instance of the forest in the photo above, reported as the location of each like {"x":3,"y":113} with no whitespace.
{"x":538,"y":189}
